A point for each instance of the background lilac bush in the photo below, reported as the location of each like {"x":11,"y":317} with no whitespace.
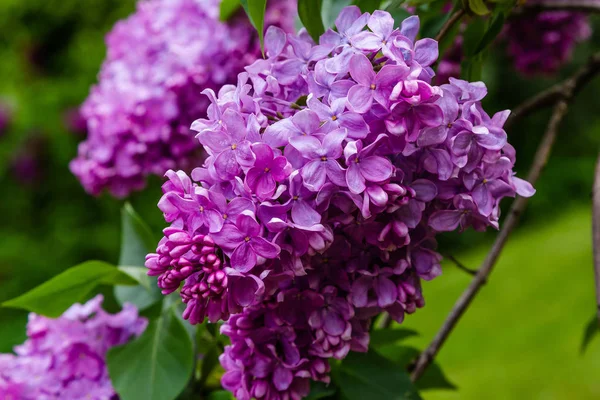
{"x":138,"y":116}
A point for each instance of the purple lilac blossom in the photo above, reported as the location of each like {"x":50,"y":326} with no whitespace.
{"x":64,"y":358}
{"x":541,"y":42}
{"x":315,"y":226}
{"x":149,"y":91}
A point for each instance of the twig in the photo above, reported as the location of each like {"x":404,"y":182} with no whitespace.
{"x":596,"y":234}
{"x":518,"y":206}
{"x":454,"y":18}
{"x":460,"y":265}
{"x":551,"y":95}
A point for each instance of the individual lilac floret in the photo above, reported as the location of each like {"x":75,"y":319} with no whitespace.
{"x":542,"y":42}
{"x":331,"y":169}
{"x":64,"y":358}
{"x":158,"y":62}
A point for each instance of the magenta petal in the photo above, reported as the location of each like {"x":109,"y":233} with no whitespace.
{"x":376,"y":168}
{"x":354,"y":179}
{"x":432,"y":136}
{"x":243,"y":258}
{"x":304,"y":215}
{"x":264,"y":248}
{"x":308,"y":146}
{"x":334,"y":324}
{"x":246,"y":289}
{"x":247,"y":225}
{"x":306,"y":121}
{"x":336,"y":173}
{"x":386,"y":291}
{"x":226,"y":165}
{"x":314,"y":175}
{"x":265,"y":186}
{"x":360,"y":290}
{"x":445,"y":221}
{"x":484,"y":200}
{"x":355,"y":125}
{"x":263,"y":153}
{"x":426,"y":51}
{"x":282,"y":378}
{"x":366,"y":41}
{"x":523,"y":187}
{"x":332,"y":143}
{"x":361,"y":69}
{"x":277,"y":135}
{"x":275,"y":40}
{"x":360,"y":98}
{"x":229,"y":237}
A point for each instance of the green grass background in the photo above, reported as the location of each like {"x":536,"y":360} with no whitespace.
{"x":521,"y":337}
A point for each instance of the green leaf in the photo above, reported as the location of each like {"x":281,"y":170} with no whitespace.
{"x":371,"y":376}
{"x":139,"y":274}
{"x":319,"y":390}
{"x":478,"y":7}
{"x":491,"y":33}
{"x":74,"y":285}
{"x":220,"y":395}
{"x":136,"y":241}
{"x":383,"y":337}
{"x":472,"y":36}
{"x":155,"y":366}
{"x":255,"y":9}
{"x":368,"y":5}
{"x":433,"y":378}
{"x":591,"y":330}
{"x":310,"y":16}
{"x":136,"y":238}
{"x":228,"y":8}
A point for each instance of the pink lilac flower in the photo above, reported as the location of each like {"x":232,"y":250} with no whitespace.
{"x":352,"y":163}
{"x":541,"y":42}
{"x":64,"y":358}
{"x":149,"y":92}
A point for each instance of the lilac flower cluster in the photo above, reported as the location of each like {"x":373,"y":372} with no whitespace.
{"x":331,"y":169}
{"x":63,"y":358}
{"x":158,"y":61}
{"x":542,"y":42}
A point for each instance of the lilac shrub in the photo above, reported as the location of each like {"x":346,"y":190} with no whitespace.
{"x":331,"y":169}
{"x":158,"y":62}
{"x":64,"y":358}
{"x":542,"y":42}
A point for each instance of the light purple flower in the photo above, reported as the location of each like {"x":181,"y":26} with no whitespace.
{"x":244,"y":242}
{"x":372,"y":86}
{"x":268,"y":169}
{"x":364,"y":166}
{"x":322,"y":155}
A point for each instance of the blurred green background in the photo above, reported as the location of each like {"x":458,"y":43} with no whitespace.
{"x":521,"y":337}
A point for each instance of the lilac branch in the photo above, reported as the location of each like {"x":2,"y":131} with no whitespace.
{"x":454,"y":18}
{"x":596,"y":234}
{"x":570,"y":86}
